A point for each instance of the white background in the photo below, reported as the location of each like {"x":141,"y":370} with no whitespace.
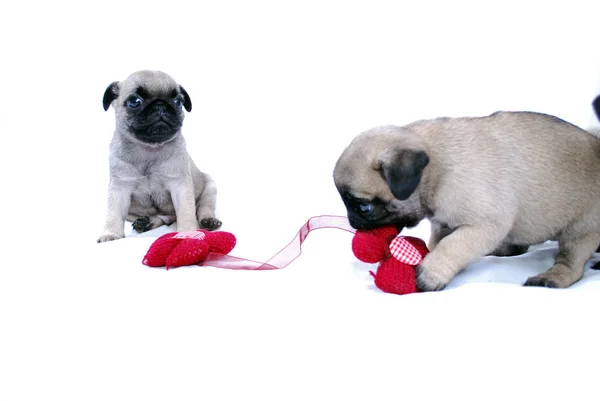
{"x":278,"y":90}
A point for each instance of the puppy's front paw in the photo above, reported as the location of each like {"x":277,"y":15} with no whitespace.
{"x":109,"y":237}
{"x":210,"y":223}
{"x":429,"y":279}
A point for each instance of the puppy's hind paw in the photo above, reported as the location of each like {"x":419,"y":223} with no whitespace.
{"x":537,"y":281}
{"x":210,"y":223}
{"x":142,"y":224}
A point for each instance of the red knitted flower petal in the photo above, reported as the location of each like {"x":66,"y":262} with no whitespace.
{"x":160,"y":249}
{"x":395,"y":277}
{"x":404,"y":251}
{"x":419,"y":244}
{"x":220,"y":241}
{"x":190,"y":251}
{"x":371,"y":246}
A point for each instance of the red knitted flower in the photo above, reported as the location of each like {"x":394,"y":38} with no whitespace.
{"x":187,"y":248}
{"x":398,"y":255}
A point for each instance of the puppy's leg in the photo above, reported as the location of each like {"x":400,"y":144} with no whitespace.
{"x":454,"y":252}
{"x":205,"y":207}
{"x":507,"y":249}
{"x":438,"y":232}
{"x":182,"y":195}
{"x":572,"y":255}
{"x":119,"y":200}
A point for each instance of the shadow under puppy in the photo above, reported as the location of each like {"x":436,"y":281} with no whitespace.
{"x":153,"y":180}
{"x":489,"y":185}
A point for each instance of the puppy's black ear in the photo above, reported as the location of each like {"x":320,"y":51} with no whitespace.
{"x":402,"y":170}
{"x":187,"y":102}
{"x":596,"y":105}
{"x":110,"y":94}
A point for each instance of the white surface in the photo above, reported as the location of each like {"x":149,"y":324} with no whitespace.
{"x":278,"y":91}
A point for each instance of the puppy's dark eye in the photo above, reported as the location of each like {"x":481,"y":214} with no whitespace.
{"x":366,"y":208}
{"x":178,"y":103}
{"x":134,"y":102}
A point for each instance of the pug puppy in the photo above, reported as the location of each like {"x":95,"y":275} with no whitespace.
{"x":153,"y":180}
{"x":494,"y":184}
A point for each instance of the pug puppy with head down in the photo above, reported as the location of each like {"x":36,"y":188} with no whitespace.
{"x":488,"y":185}
{"x":153,"y":180}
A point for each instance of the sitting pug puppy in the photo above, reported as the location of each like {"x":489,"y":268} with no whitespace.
{"x":153,"y":180}
{"x":494,"y":184}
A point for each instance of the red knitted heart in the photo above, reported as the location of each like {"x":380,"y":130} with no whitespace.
{"x":395,"y":277}
{"x":188,"y":252}
{"x":160,"y":250}
{"x":187,"y":248}
{"x":405,"y":252}
{"x":371,"y":246}
{"x":220,"y":241}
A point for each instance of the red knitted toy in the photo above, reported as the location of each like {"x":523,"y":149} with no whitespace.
{"x":398,"y":256}
{"x":187,"y":248}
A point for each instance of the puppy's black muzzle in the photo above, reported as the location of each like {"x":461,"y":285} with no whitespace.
{"x":361,"y":223}
{"x":156,"y":123}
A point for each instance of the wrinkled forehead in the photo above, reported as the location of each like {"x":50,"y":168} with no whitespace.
{"x":358,"y":180}
{"x":357,"y":173}
{"x":376,"y":191}
{"x":150,"y":83}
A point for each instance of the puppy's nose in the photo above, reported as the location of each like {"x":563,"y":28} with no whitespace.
{"x":355,"y":223}
{"x":160,"y":109}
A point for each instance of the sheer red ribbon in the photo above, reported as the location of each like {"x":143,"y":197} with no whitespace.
{"x":285,"y":256}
